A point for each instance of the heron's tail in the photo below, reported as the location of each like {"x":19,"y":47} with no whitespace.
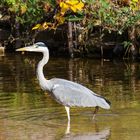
{"x":103,"y":102}
{"x":107,"y":101}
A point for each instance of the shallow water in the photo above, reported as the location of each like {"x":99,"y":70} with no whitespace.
{"x":27,"y":113}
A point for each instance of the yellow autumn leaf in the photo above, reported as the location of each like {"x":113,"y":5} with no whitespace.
{"x":53,"y":27}
{"x":74,"y":5}
{"x":64,"y":7}
{"x":23,"y":9}
{"x":134,"y":0}
{"x":63,"y":11}
{"x":45,"y":25}
{"x":59,"y":18}
{"x":73,"y":8}
{"x":37,"y":26}
{"x":80,"y":6}
{"x":77,"y":7}
{"x":72,"y":2}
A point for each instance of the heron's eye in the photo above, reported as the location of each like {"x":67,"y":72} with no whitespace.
{"x":36,"y":46}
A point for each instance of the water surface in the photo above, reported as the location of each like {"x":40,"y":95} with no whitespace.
{"x":27,"y":113}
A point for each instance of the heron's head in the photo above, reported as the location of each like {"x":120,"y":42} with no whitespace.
{"x":37,"y":47}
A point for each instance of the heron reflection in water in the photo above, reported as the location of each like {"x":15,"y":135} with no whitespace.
{"x":65,"y":92}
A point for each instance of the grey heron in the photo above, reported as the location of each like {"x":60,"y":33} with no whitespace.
{"x":65,"y":92}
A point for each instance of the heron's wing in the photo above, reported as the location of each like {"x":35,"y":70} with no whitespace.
{"x":70,"y":95}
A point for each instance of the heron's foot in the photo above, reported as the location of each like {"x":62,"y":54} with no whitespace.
{"x":95,"y":112}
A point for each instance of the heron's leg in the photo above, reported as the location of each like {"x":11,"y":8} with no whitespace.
{"x":95,"y":112}
{"x":68,"y":128}
{"x":68,"y":112}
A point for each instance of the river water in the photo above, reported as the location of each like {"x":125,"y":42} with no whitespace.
{"x":27,"y":113}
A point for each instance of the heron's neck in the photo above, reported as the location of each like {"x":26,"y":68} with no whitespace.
{"x":42,"y":81}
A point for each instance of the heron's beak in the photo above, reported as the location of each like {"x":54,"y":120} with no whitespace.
{"x":29,"y":48}
{"x":21,"y":49}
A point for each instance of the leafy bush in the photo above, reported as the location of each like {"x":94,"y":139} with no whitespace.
{"x":109,"y":15}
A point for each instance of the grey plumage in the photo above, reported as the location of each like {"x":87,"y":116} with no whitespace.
{"x":70,"y":94}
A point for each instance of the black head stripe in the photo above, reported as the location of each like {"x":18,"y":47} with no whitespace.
{"x":40,"y":44}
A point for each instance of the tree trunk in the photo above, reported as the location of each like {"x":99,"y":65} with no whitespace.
{"x":70,"y":39}
{"x":134,"y":47}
